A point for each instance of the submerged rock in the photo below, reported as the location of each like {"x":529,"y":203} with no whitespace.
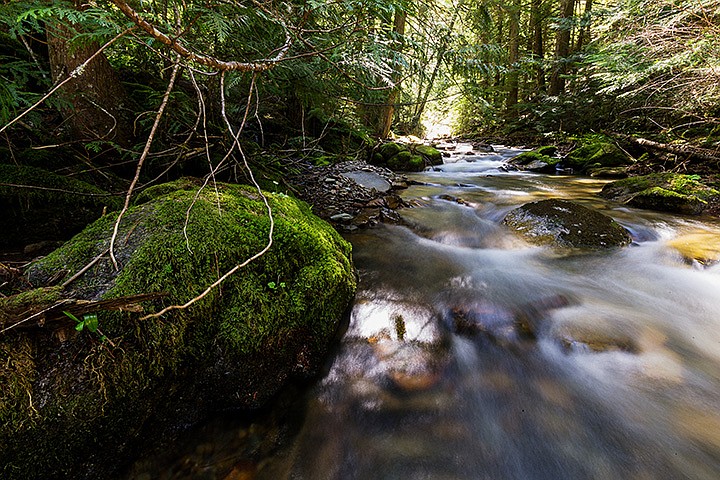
{"x":540,"y":160}
{"x":701,"y":246}
{"x":668,"y":192}
{"x":76,"y":406}
{"x":562,"y":223}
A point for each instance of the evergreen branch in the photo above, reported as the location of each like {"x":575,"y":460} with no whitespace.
{"x":208,"y":61}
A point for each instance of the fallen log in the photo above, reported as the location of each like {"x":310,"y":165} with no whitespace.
{"x":27,"y":316}
{"x":688,"y":152}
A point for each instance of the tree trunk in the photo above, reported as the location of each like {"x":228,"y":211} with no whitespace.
{"x":96,"y":97}
{"x":537,"y":48}
{"x":513,"y":58}
{"x":562,"y":49}
{"x":388,"y":110}
{"x":584,"y":34}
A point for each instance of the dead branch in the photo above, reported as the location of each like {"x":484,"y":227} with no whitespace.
{"x":143,"y":156}
{"x":25,"y":318}
{"x":688,"y":152}
{"x":236,"y":143}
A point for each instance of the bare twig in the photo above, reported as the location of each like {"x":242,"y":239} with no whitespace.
{"x":74,"y":74}
{"x":236,"y":143}
{"x":85,"y":268}
{"x":143,"y":156}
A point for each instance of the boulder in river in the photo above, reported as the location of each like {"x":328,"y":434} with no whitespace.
{"x":668,"y":192}
{"x":562,"y":223}
{"x":400,"y":157}
{"x":540,"y":160}
{"x":596,"y":155}
{"x":76,"y":405}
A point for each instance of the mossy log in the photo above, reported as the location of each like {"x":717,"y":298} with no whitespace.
{"x":27,"y":311}
{"x":686,"y":152}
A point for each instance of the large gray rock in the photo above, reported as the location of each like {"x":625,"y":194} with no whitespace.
{"x":562,"y":223}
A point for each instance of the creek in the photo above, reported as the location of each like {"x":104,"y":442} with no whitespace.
{"x":434,"y":380}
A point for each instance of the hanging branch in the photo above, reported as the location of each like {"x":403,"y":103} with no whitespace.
{"x":143,"y":156}
{"x":208,"y":61}
{"x":236,"y":144}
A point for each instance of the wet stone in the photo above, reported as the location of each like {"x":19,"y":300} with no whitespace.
{"x":343,"y":193}
{"x":342,"y":218}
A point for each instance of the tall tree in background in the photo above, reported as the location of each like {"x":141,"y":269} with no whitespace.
{"x":562,"y":48}
{"x":387,"y":110}
{"x":583,"y":37}
{"x":537,"y":45}
{"x":96,"y":100}
{"x":513,"y":58}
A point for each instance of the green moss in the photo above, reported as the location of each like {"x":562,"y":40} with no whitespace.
{"x":432,"y":155}
{"x":673,"y":182}
{"x":156,"y":191}
{"x":390,"y":149}
{"x":30,"y":301}
{"x":662,"y":191}
{"x":527,"y":158}
{"x":599,"y":154}
{"x":548,"y":150}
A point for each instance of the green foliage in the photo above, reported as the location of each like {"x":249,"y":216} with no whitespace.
{"x":89,"y":321}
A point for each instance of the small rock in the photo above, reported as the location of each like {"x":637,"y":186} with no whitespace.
{"x":342,"y":218}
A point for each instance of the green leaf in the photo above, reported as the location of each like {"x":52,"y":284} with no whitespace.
{"x":91,"y":321}
{"x":73,"y":317}
{"x":79,"y":327}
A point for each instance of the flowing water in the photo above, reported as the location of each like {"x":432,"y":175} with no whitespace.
{"x":435,"y":380}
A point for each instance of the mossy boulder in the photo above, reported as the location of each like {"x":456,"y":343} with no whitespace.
{"x":561,"y":223}
{"x":608,"y":172}
{"x":38,"y":205}
{"x":668,"y":192}
{"x":432,"y":155}
{"x":398,"y":157}
{"x":77,"y":407}
{"x":539,"y":160}
{"x":596,"y":155}
{"x":406,"y":162}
